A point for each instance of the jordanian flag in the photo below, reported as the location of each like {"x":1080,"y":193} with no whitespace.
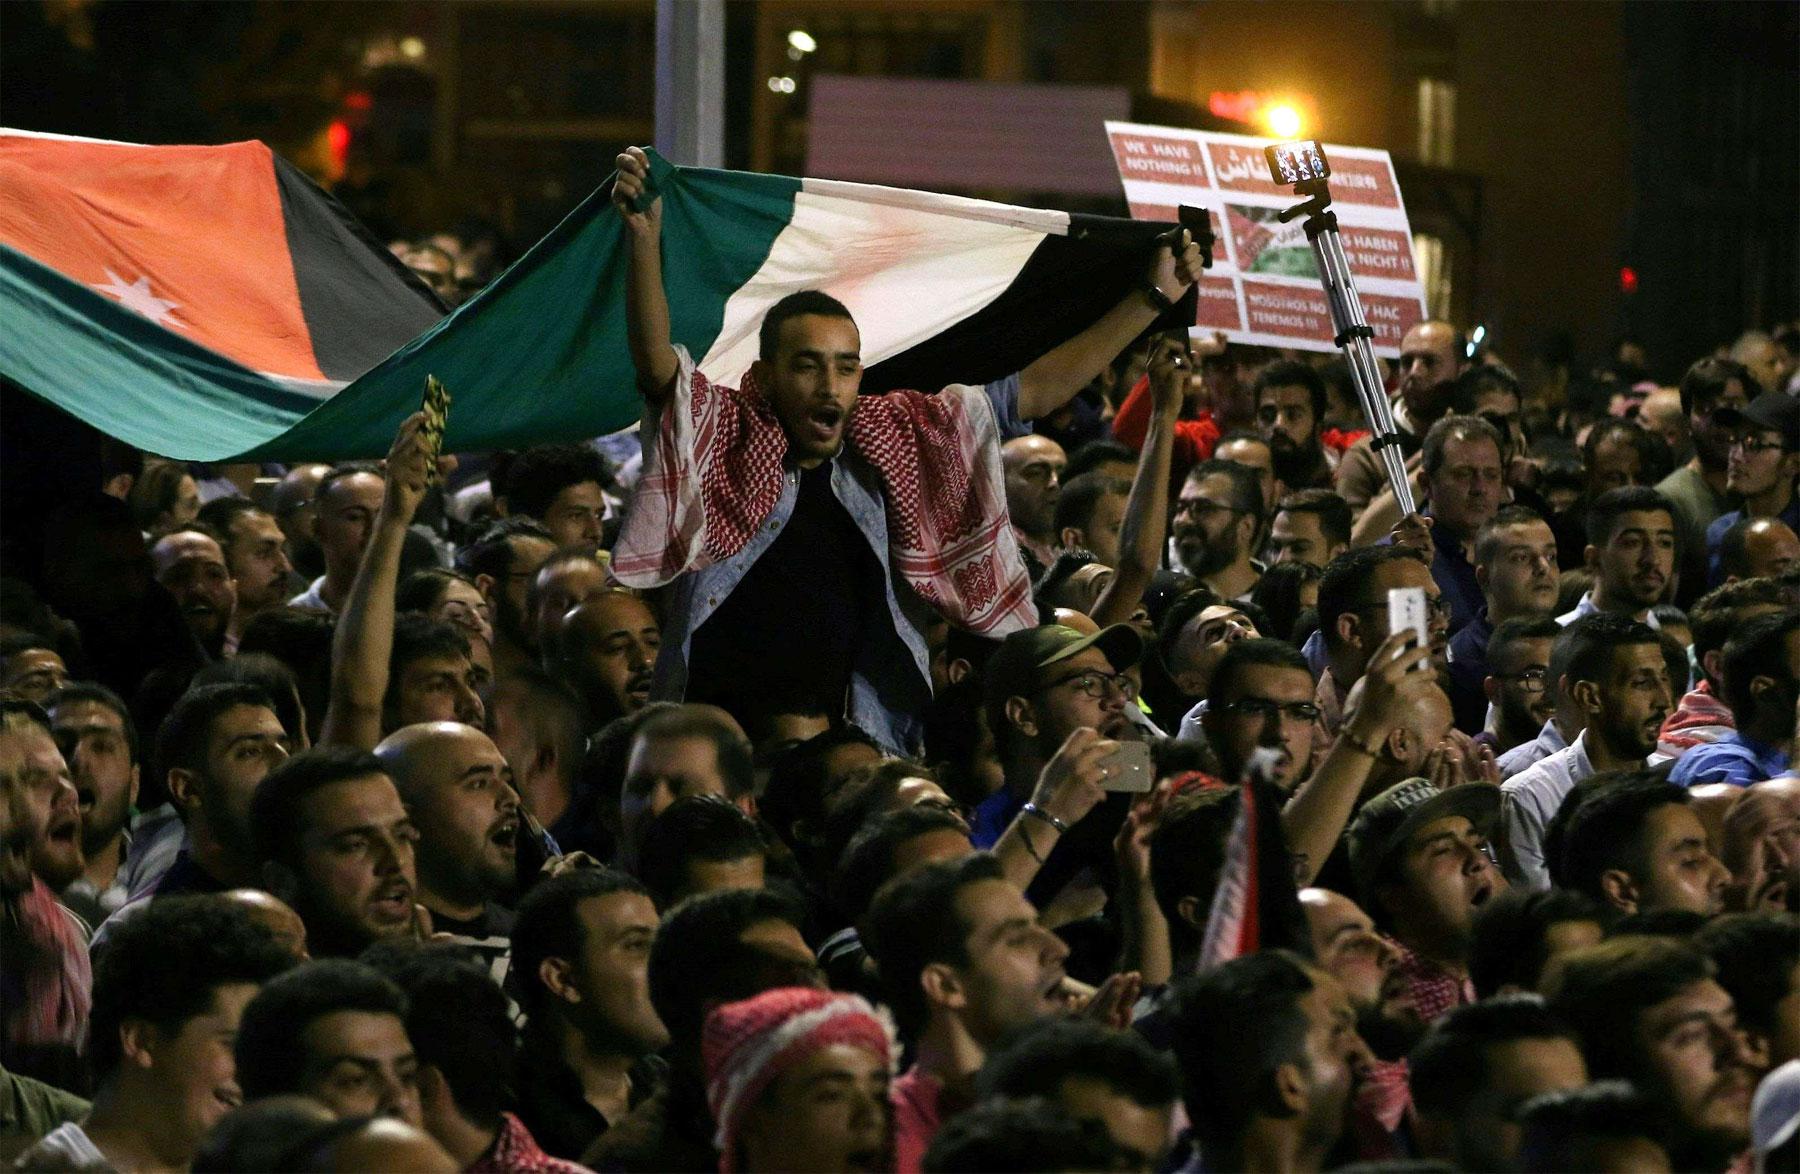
{"x":206,"y":303}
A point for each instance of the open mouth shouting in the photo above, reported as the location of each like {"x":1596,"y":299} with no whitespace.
{"x":505,"y":833}
{"x":822,"y":422}
{"x":392,"y":903}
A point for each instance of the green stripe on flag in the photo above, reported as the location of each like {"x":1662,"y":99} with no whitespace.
{"x":539,"y":355}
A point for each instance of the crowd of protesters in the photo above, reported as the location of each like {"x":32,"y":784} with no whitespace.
{"x":1019,"y":776}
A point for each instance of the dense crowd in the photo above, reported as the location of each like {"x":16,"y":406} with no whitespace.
{"x":1013,"y":776}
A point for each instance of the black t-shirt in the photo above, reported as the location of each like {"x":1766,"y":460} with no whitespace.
{"x":787,"y":637}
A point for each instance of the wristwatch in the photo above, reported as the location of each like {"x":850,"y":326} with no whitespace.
{"x":1159,"y":301}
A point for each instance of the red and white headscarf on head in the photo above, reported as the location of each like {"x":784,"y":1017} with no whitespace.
{"x":747,"y":1044}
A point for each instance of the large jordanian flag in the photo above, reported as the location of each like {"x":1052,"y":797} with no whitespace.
{"x":205,"y":303}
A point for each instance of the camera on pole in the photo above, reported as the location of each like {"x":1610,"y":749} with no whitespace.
{"x":1303,"y":165}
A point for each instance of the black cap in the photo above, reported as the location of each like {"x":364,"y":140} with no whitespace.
{"x":1386,"y":821}
{"x":1775,"y":411}
{"x":1017,"y":668}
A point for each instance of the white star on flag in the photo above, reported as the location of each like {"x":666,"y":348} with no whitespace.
{"x":137,"y":296}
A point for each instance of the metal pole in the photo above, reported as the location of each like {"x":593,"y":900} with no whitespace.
{"x":690,"y":81}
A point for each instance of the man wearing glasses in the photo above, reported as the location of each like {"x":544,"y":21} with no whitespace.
{"x":1353,"y":618}
{"x":1041,"y":687}
{"x":1217,"y":520}
{"x":1616,"y":675}
{"x":1517,"y":682}
{"x":1764,"y":460}
{"x":1697,"y":489}
{"x":1262,"y":698}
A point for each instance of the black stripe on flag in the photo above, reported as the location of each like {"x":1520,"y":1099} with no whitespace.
{"x":1068,"y":283}
{"x":360,"y":303}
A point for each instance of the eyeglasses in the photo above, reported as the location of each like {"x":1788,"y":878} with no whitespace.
{"x":1095,"y":684}
{"x":1262,"y":709}
{"x":1752,"y":446}
{"x":1533,"y":679}
{"x":1199,"y":505}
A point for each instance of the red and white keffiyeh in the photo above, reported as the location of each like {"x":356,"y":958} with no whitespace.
{"x":713,"y":472}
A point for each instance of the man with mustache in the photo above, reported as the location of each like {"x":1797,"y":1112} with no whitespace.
{"x":1464,"y":481}
{"x":1517,"y":684}
{"x":98,"y":739}
{"x":1649,"y":1010}
{"x":254,"y":553}
{"x":1764,"y":460}
{"x":504,"y":562}
{"x":1217,"y":520}
{"x":1515,"y":568}
{"x":1697,"y":489}
{"x":1432,"y":355}
{"x":796,"y":484}
{"x":1290,"y":406}
{"x":338,"y":846}
{"x":1633,"y":842}
{"x":1617,"y":676}
{"x":1761,"y":685}
{"x":1033,"y":466}
{"x":1423,"y":864}
{"x":190,"y":563}
{"x":458,"y":790}
{"x":606,"y":646}
{"x":1631,"y":551}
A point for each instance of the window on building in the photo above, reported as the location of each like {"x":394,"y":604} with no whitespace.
{"x":1434,"y":273}
{"x":1437,"y":121}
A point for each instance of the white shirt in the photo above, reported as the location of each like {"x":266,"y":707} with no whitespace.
{"x":1586,"y":608}
{"x":1527,"y":755}
{"x":313,"y":597}
{"x":67,"y":1147}
{"x":1529,"y":800}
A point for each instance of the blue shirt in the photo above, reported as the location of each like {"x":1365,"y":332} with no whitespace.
{"x":891,"y":685}
{"x":1715,"y":535}
{"x":1468,"y":673}
{"x":1455,"y":577}
{"x":1732,"y":759}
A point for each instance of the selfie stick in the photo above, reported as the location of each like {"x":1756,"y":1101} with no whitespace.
{"x":1353,"y":333}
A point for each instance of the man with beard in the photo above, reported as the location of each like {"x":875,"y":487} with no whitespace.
{"x":1517,"y":684}
{"x":1473,"y":1070}
{"x":1516,"y":572}
{"x":688,"y":750}
{"x":1250,"y":450}
{"x":338,"y":846}
{"x":1347,"y":945}
{"x":1043,"y":688}
{"x":1631,"y":551}
{"x":190,"y":563}
{"x":1764,"y":460}
{"x":825,"y":468}
{"x":1463,"y":481}
{"x":1649,"y":1010}
{"x":1290,"y":406}
{"x":1761,"y":684}
{"x":1633,"y":842}
{"x":570,"y":576}
{"x":214,"y":750}
{"x":458,"y":790}
{"x":255,"y":555}
{"x":1261,"y":698}
{"x":44,"y":1018}
{"x":1033,"y":467}
{"x":964,"y":962}
{"x":95,"y":733}
{"x":503,"y":563}
{"x":348,"y":498}
{"x":1432,"y":355}
{"x":1311,"y":526}
{"x":606,"y":646}
{"x":1353,"y":618}
{"x":1217,"y":519}
{"x":1090,"y":513}
{"x":1270,"y":1063}
{"x":1424,"y":865}
{"x":1696,"y":491}
{"x":1616,"y":675}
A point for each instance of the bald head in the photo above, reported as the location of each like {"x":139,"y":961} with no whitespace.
{"x":1425,"y":725}
{"x":1661,"y":413}
{"x":420,"y":755}
{"x":275,"y":914}
{"x":1033,"y":466}
{"x":458,"y":789}
{"x":1766,"y":548}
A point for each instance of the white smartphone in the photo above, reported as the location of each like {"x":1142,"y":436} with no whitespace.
{"x":1130,"y":769}
{"x":1407,"y":612}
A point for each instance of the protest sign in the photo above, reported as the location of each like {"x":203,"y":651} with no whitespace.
{"x":1263,"y":287}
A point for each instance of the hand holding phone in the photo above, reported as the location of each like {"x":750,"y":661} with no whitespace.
{"x":1128,"y":769}
{"x":1407,"y":613}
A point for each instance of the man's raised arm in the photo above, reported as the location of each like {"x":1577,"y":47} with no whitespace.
{"x":646,"y":306}
{"x":1053,"y":379}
